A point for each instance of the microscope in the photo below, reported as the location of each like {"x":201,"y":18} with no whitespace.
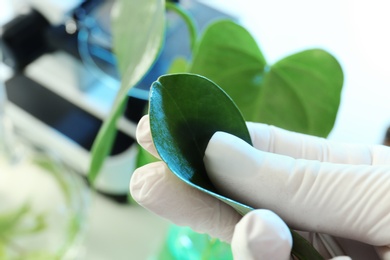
{"x":63,"y":80}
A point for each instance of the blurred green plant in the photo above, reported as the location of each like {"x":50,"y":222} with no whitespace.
{"x":138,"y":31}
{"x":9,"y":223}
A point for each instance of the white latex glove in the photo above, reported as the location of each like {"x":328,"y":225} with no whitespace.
{"x":345,"y":197}
{"x":312,"y":184}
{"x":260,"y":234}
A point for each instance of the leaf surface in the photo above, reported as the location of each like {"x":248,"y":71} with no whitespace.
{"x":185,"y":111}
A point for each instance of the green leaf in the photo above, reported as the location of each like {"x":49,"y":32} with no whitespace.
{"x":302,"y":93}
{"x":229,"y":56}
{"x":143,"y":157}
{"x":138,"y":30}
{"x":179,"y":65}
{"x":185,"y":111}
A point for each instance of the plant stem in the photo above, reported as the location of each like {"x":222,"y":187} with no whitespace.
{"x":188,"y":19}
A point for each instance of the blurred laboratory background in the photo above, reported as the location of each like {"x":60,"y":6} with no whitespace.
{"x":59,"y":80}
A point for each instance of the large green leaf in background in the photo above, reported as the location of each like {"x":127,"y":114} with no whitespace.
{"x":138,"y":30}
{"x":228,"y":55}
{"x":300,"y":93}
{"x":185,"y":111}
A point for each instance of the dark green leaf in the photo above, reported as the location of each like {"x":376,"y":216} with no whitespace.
{"x":138,"y":29}
{"x":185,"y":111}
{"x":229,"y":56}
{"x":302,"y":93}
{"x":302,"y":249}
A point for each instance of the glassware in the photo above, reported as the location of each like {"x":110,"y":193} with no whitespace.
{"x":184,"y":243}
{"x":43,"y":202}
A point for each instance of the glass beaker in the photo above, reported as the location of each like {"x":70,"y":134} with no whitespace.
{"x":43,"y":203}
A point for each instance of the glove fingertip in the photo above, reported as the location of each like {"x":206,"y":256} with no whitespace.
{"x":144,"y":136}
{"x":230,"y":160}
{"x":144,"y":180}
{"x":261,"y":234}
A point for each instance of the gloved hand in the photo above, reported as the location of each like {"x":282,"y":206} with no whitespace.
{"x":313,"y":184}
